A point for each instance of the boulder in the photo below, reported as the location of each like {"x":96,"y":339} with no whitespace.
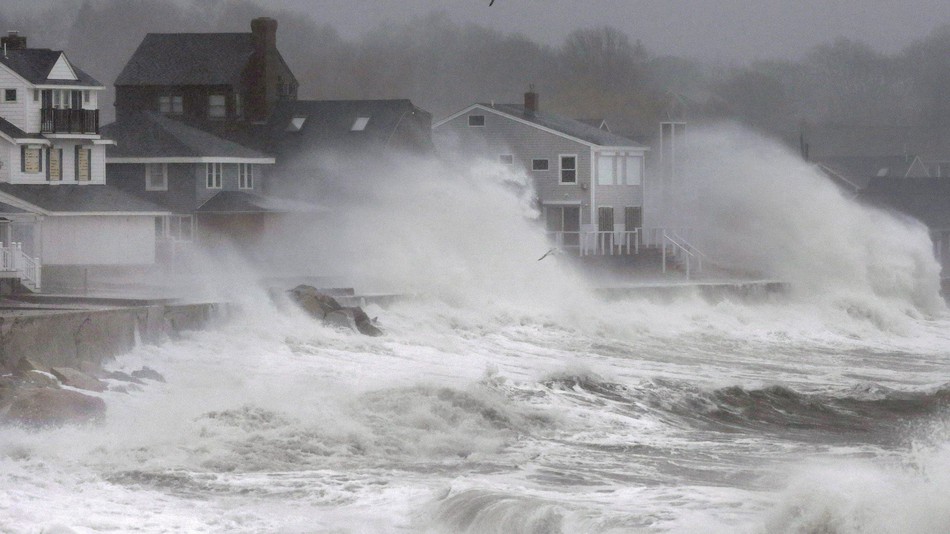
{"x":77,"y":379}
{"x":40,"y":379}
{"x":327,"y":309}
{"x":148,"y":374}
{"x":49,"y":406}
{"x":122,"y":377}
{"x":26,"y":365}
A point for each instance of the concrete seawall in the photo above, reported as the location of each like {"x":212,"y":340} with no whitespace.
{"x":86,"y":338}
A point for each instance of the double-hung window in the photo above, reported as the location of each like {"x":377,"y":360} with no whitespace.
{"x":245,"y":176}
{"x":539,"y":164}
{"x":216,"y":107}
{"x":156,"y":177}
{"x":170,"y":104}
{"x":569,"y":169}
{"x":213,"y":175}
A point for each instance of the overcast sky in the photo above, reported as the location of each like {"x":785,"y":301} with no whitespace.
{"x":712,"y":30}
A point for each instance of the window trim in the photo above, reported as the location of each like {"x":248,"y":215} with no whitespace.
{"x":482,"y":125}
{"x":245,"y":176}
{"x":561,"y":169}
{"x":547,"y":164}
{"x":7,"y":93}
{"x":213,"y":179}
{"x":148,"y":177}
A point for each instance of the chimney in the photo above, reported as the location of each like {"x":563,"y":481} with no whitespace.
{"x":530,"y":101}
{"x":262,"y":76}
{"x":13,"y":41}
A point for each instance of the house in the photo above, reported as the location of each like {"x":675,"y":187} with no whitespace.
{"x":57,"y":215}
{"x":589,"y":182}
{"x":237,"y":88}
{"x":211,"y":188}
{"x":213,"y":76}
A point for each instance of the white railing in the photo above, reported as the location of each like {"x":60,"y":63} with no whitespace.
{"x":681,"y":249}
{"x":28,"y":270}
{"x":606,"y":243}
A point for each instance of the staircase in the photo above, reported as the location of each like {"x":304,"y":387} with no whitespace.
{"x":17,"y":265}
{"x":645,"y":250}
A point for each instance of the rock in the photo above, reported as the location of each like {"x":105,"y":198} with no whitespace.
{"x":326,"y":308}
{"x":26,"y":365}
{"x":40,"y":379}
{"x":77,"y":379}
{"x":148,"y":374}
{"x":124,"y":377}
{"x":48,"y":406}
{"x":125,"y":388}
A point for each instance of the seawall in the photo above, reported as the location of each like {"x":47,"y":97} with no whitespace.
{"x":86,"y":338}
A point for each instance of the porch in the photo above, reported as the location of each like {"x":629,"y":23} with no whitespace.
{"x":670,"y":247}
{"x":16,"y":264}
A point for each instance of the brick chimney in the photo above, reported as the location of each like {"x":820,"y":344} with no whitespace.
{"x":262,"y":76}
{"x":13,"y":41}
{"x":531,"y":101}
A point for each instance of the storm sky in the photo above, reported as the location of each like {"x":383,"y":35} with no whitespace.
{"x":709,"y":30}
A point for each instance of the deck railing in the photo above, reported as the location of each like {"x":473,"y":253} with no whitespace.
{"x":77,"y":121}
{"x":28,"y":270}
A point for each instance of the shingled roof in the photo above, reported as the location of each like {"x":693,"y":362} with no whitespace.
{"x":188,"y":59}
{"x":234,"y":202}
{"x":76,"y":198}
{"x":148,"y":134}
{"x":13,"y":132}
{"x":35,"y":64}
{"x":558,"y":123}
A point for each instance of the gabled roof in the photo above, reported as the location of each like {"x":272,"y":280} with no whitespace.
{"x":856,"y":172}
{"x":149,"y":135}
{"x":926,"y":199}
{"x":76,"y":198}
{"x":234,"y":202}
{"x":10,"y":130}
{"x":554,"y":123}
{"x":188,"y":59}
{"x":35,"y":64}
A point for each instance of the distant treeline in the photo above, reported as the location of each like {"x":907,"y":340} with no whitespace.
{"x":595,"y":73}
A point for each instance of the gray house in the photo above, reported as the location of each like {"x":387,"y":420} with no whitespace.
{"x":211,"y":187}
{"x":589,"y":181}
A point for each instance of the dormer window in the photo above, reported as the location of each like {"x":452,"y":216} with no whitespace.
{"x":217,"y":108}
{"x":360,"y":124}
{"x":9,"y":95}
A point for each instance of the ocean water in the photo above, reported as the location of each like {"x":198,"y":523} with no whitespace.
{"x":507,"y":397}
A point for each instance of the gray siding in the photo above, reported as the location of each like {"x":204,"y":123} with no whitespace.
{"x":502,"y":135}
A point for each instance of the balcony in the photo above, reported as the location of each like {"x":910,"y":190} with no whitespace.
{"x":69,"y":121}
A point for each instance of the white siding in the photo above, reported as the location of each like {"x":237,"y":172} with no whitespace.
{"x":14,"y":112}
{"x":32,"y":110}
{"x":99,"y":240}
{"x":6,"y":159}
{"x":61,"y":70}
{"x":18,"y":177}
{"x":93,"y":100}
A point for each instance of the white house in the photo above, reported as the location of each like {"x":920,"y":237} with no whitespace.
{"x":589,"y":181}
{"x":56,"y":211}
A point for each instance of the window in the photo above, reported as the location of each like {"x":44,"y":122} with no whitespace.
{"x":216,"y":107}
{"x":213,"y":175}
{"x":9,"y":95}
{"x":245,"y":176}
{"x":31,"y":160}
{"x":170,"y":104}
{"x":632,"y":218}
{"x":54,"y":164}
{"x":36,"y":95}
{"x":506,"y":159}
{"x":605,"y":219}
{"x":539,"y":165}
{"x":360,"y":124}
{"x":85,"y":96}
{"x":174,"y":227}
{"x":568,"y":169}
{"x":83,"y":161}
{"x":476,"y":120}
{"x":633,"y":170}
{"x":606,"y":170}
{"x":156,"y":177}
